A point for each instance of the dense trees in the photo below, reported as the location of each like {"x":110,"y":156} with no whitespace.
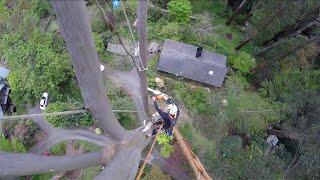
{"x":272,"y":86}
{"x":35,"y":66}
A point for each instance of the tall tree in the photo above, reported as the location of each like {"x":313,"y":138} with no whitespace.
{"x":142,"y":31}
{"x":123,"y":151}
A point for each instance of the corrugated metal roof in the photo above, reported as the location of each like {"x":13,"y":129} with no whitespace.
{"x":179,"y":59}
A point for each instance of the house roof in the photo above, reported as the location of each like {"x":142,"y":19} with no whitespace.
{"x":179,"y":59}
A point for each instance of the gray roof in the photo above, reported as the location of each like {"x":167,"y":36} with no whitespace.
{"x":179,"y":59}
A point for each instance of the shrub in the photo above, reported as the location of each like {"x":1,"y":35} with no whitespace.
{"x":13,"y":145}
{"x":166,"y":149}
{"x":179,"y":10}
{"x":242,"y":61}
{"x":230,"y":146}
{"x":22,"y":130}
{"x":81,"y":119}
{"x":156,"y":173}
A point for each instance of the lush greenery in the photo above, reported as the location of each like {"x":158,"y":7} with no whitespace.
{"x":179,"y":10}
{"x":73,"y":120}
{"x":272,"y":85}
{"x":25,"y":131}
{"x":166,"y":148}
{"x":13,"y":145}
{"x":35,"y":66}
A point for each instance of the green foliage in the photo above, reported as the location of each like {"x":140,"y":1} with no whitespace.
{"x":309,"y":166}
{"x":43,"y":7}
{"x":242,"y":61}
{"x":103,"y":56}
{"x":231,"y":146}
{"x":164,"y":139}
{"x":196,"y":100}
{"x":249,"y":164}
{"x":156,"y":173}
{"x":79,"y":120}
{"x":179,"y":10}
{"x":13,"y":145}
{"x":166,"y":149}
{"x":120,"y":100}
{"x":59,"y":149}
{"x":23,"y":130}
{"x":247,"y":112}
{"x":35,"y":67}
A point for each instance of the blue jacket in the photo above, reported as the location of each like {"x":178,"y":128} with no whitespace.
{"x":168,"y":120}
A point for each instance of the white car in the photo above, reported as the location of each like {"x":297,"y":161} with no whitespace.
{"x":44,"y":101}
{"x":102,"y":67}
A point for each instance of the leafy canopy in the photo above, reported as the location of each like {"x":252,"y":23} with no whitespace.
{"x":80,"y":120}
{"x":179,"y":10}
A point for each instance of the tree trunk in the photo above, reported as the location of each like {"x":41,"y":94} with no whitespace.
{"x":296,"y":32}
{"x":142,"y":31}
{"x":28,"y":164}
{"x":309,"y":41}
{"x":242,"y":43}
{"x":290,"y":29}
{"x":248,"y":16}
{"x":236,"y":12}
{"x":74,"y":22}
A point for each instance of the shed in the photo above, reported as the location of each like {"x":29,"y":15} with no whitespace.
{"x":180,"y":59}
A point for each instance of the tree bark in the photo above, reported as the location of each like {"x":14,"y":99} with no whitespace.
{"x":60,"y":135}
{"x":28,"y":164}
{"x":236,"y":12}
{"x":74,"y":22}
{"x":142,"y":32}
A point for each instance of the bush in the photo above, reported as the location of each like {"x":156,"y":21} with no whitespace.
{"x":230,"y":146}
{"x":156,"y":173}
{"x":179,"y":10}
{"x":24,"y":131}
{"x":79,"y":120}
{"x":242,"y":61}
{"x":13,"y":145}
{"x":166,"y":149}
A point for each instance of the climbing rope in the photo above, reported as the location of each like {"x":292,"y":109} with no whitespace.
{"x":148,"y":156}
{"x":141,"y":67}
{"x":28,"y":116}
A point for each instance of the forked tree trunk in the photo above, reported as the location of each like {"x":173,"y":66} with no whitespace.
{"x":75,"y":24}
{"x":142,"y":31}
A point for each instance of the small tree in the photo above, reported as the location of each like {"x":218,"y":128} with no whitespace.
{"x":179,"y":10}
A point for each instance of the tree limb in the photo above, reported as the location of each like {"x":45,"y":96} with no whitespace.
{"x":28,"y":164}
{"x":60,"y":135}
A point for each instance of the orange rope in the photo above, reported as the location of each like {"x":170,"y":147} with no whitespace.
{"x":149,"y":153}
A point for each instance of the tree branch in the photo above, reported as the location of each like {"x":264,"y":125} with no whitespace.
{"x":60,"y":135}
{"x":74,"y":21}
{"x":28,"y":164}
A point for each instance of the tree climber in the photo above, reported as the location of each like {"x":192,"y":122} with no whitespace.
{"x":169,"y":118}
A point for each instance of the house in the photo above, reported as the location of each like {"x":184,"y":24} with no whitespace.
{"x":193,"y":63}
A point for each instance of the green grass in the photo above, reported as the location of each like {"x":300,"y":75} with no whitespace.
{"x":204,"y":148}
{"x":90,"y":173}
